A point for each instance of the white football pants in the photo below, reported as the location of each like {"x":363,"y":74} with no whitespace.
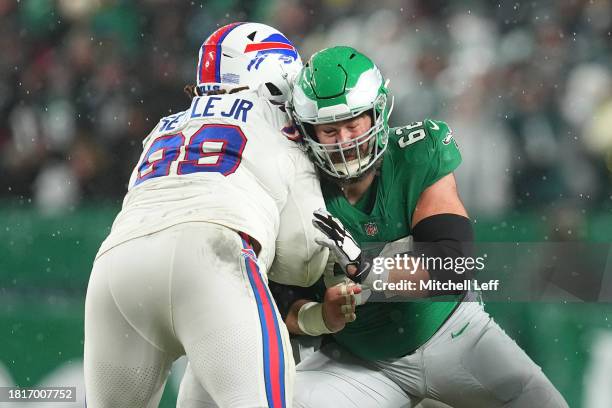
{"x":469,"y":363}
{"x":193,"y":289}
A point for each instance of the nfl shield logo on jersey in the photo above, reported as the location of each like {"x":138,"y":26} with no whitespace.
{"x":371,"y":229}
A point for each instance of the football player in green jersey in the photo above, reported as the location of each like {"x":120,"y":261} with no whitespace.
{"x":385,"y":185}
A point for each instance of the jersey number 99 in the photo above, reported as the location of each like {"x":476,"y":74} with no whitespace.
{"x":213,"y":148}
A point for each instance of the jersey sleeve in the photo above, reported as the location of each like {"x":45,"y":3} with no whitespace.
{"x":299,"y":260}
{"x":444,"y":151}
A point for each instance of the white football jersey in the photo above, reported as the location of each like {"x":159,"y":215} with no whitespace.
{"x":225,"y":161}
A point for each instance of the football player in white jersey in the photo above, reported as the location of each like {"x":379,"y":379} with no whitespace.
{"x":183,"y":270}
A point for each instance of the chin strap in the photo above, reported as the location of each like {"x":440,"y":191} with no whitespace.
{"x":352,"y":166}
{"x":391,"y":107}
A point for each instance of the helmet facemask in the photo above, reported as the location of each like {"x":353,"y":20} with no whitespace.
{"x":337,"y":84}
{"x":350,"y":159}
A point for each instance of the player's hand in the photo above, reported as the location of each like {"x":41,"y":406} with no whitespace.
{"x":339,"y":305}
{"x":341,"y":243}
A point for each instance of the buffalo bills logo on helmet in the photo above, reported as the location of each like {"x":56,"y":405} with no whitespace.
{"x":273,"y":44}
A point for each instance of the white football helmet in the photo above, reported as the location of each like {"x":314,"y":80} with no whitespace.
{"x":248,"y":54}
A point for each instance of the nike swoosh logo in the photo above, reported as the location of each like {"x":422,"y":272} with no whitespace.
{"x":459,"y":332}
{"x":361,"y":276}
{"x":434,"y":126}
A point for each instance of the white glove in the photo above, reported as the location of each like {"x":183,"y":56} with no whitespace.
{"x":342,"y":244}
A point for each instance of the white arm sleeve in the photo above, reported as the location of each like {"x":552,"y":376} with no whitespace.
{"x":299,"y":260}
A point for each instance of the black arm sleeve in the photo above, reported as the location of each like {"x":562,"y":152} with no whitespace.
{"x":445,"y":240}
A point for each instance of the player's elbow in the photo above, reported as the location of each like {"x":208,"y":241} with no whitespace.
{"x":445,"y":241}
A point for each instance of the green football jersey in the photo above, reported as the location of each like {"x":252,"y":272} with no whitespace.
{"x":417,"y":156}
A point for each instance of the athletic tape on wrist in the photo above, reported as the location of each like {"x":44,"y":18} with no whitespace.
{"x":310,"y":319}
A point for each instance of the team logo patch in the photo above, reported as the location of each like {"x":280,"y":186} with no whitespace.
{"x":248,"y":253}
{"x":273,"y":44}
{"x":371,"y":229}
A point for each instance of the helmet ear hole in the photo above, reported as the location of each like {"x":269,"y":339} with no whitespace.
{"x":273,"y":89}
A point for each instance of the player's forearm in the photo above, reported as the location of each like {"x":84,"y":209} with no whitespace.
{"x":396,"y":280}
{"x":292,"y":317}
{"x":407,"y":283}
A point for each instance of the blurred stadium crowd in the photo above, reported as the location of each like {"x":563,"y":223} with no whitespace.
{"x":526,"y":86}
